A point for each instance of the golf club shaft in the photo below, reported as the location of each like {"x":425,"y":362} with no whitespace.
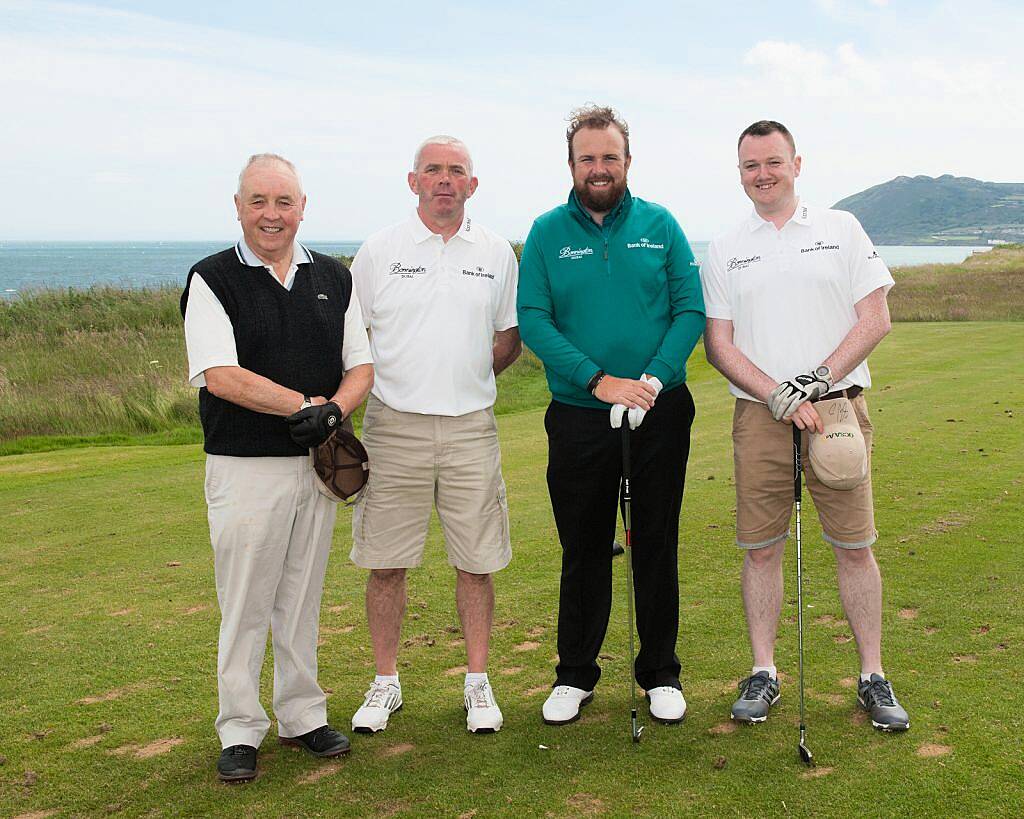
{"x":797,"y":472}
{"x":627,"y":525}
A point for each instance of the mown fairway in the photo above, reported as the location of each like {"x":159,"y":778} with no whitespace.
{"x":108,"y":637}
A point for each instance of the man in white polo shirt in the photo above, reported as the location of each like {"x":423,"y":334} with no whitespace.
{"x":277,"y":348}
{"x":438,"y":293}
{"x":796,"y":300}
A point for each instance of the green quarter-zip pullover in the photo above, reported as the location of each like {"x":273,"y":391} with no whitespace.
{"x":623,"y":297}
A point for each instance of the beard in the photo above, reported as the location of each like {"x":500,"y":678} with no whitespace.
{"x":599,"y":200}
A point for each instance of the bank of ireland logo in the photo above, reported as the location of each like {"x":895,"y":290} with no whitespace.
{"x":575,"y":253}
{"x":647,"y":243}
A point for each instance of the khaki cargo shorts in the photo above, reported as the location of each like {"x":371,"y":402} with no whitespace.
{"x":421,"y":461}
{"x":763,"y":458}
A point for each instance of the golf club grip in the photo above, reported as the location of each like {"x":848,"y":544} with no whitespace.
{"x":797,"y":465}
{"x":625,"y":449}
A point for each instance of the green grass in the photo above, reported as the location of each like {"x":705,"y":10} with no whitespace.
{"x":108,"y":638}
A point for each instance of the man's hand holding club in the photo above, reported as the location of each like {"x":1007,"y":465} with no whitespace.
{"x":629,"y":398}
{"x":791,"y":401}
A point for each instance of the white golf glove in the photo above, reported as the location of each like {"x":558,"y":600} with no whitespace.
{"x":789,"y":395}
{"x":636,"y":414}
{"x":618,"y":410}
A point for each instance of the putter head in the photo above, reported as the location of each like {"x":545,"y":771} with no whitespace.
{"x":805,"y":754}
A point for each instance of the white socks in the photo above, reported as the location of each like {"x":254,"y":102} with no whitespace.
{"x":867,"y":677}
{"x":769,"y":668}
{"x":472,"y":678}
{"x":388,"y":679}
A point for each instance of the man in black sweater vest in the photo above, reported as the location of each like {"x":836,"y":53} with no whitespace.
{"x":277,"y":347}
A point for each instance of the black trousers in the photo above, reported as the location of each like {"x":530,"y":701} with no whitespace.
{"x":584,"y":476}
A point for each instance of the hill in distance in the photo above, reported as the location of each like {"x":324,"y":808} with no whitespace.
{"x":944,"y":210}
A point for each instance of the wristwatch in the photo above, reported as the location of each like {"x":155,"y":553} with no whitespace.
{"x":305,"y":402}
{"x":823,"y":373}
{"x":593,"y":382}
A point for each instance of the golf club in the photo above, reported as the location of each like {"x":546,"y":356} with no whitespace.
{"x":626,"y":499}
{"x":805,"y":752}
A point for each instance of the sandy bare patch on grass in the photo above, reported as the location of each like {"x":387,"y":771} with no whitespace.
{"x":469,"y":814}
{"x":113,"y":694}
{"x":930,"y":750}
{"x":319,"y":773}
{"x":722,"y":728}
{"x":529,"y":645}
{"x":506,"y":624}
{"x":953,"y":520}
{"x":859,"y":717}
{"x":814,"y":773}
{"x":39,"y":629}
{"x":508,"y":672}
{"x":842,"y":638}
{"x":533,"y":692}
{"x":931,"y":630}
{"x":397,"y":750}
{"x":848,"y":682}
{"x":584,"y":804}
{"x":460,"y":643}
{"x":826,"y":620}
{"x":336,"y":629}
{"x":834,"y":699}
{"x":536,"y":631}
{"x":392,"y":808}
{"x":419,"y":640}
{"x":121,"y":612}
{"x":155,"y":748}
{"x":36,"y":814}
{"x":337,"y":609}
{"x":85,"y":742}
{"x":196,"y":609}
{"x":965,"y":658}
{"x":459,"y":669}
{"x":908,"y":614}
{"x":985,"y":629}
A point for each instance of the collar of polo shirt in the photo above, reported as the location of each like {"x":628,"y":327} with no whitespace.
{"x":420,"y":232}
{"x":299,"y":256}
{"x":801,"y":216}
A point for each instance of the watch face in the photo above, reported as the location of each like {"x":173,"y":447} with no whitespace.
{"x":822,"y":372}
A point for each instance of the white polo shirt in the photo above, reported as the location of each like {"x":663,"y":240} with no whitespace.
{"x":210,"y":338}
{"x":432,"y":309}
{"x":790,"y":293}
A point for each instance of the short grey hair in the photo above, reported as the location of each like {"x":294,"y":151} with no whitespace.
{"x":441,"y":139}
{"x":259,"y":159}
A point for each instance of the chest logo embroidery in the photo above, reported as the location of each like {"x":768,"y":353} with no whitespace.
{"x":818,"y":246}
{"x":645,"y":242}
{"x":477,"y":273}
{"x":397,"y":269}
{"x":739,"y":264}
{"x":570,"y":253}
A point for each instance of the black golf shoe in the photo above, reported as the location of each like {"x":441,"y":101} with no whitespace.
{"x":758,"y":693}
{"x":237,"y":763}
{"x":323,"y":741}
{"x":877,"y":698}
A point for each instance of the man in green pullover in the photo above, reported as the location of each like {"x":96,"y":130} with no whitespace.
{"x":610,"y":300}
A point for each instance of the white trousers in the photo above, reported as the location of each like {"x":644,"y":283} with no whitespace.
{"x":271,"y":534}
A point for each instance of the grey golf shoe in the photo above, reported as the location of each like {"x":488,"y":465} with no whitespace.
{"x":758,"y":693}
{"x":877,"y":698}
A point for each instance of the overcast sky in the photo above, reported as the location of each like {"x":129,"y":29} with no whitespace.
{"x":130,"y":120}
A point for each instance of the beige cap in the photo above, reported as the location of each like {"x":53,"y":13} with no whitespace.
{"x":838,"y":456}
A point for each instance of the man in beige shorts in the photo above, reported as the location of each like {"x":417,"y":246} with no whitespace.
{"x":438,"y":294}
{"x":796,"y":300}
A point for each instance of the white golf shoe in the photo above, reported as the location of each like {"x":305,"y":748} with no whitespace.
{"x":483,"y":716}
{"x":564,"y":703}
{"x":382,"y":700}
{"x":667,"y":704}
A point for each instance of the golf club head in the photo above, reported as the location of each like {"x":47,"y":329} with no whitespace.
{"x":805,"y":754}
{"x":637,"y":731}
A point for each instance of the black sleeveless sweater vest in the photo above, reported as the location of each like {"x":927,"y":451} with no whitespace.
{"x":293,"y":337}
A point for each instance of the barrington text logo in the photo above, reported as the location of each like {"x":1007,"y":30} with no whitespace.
{"x":569,"y":253}
{"x":406,"y":272}
{"x":739,"y":264}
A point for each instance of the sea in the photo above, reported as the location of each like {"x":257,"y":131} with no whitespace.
{"x":27,"y":266}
